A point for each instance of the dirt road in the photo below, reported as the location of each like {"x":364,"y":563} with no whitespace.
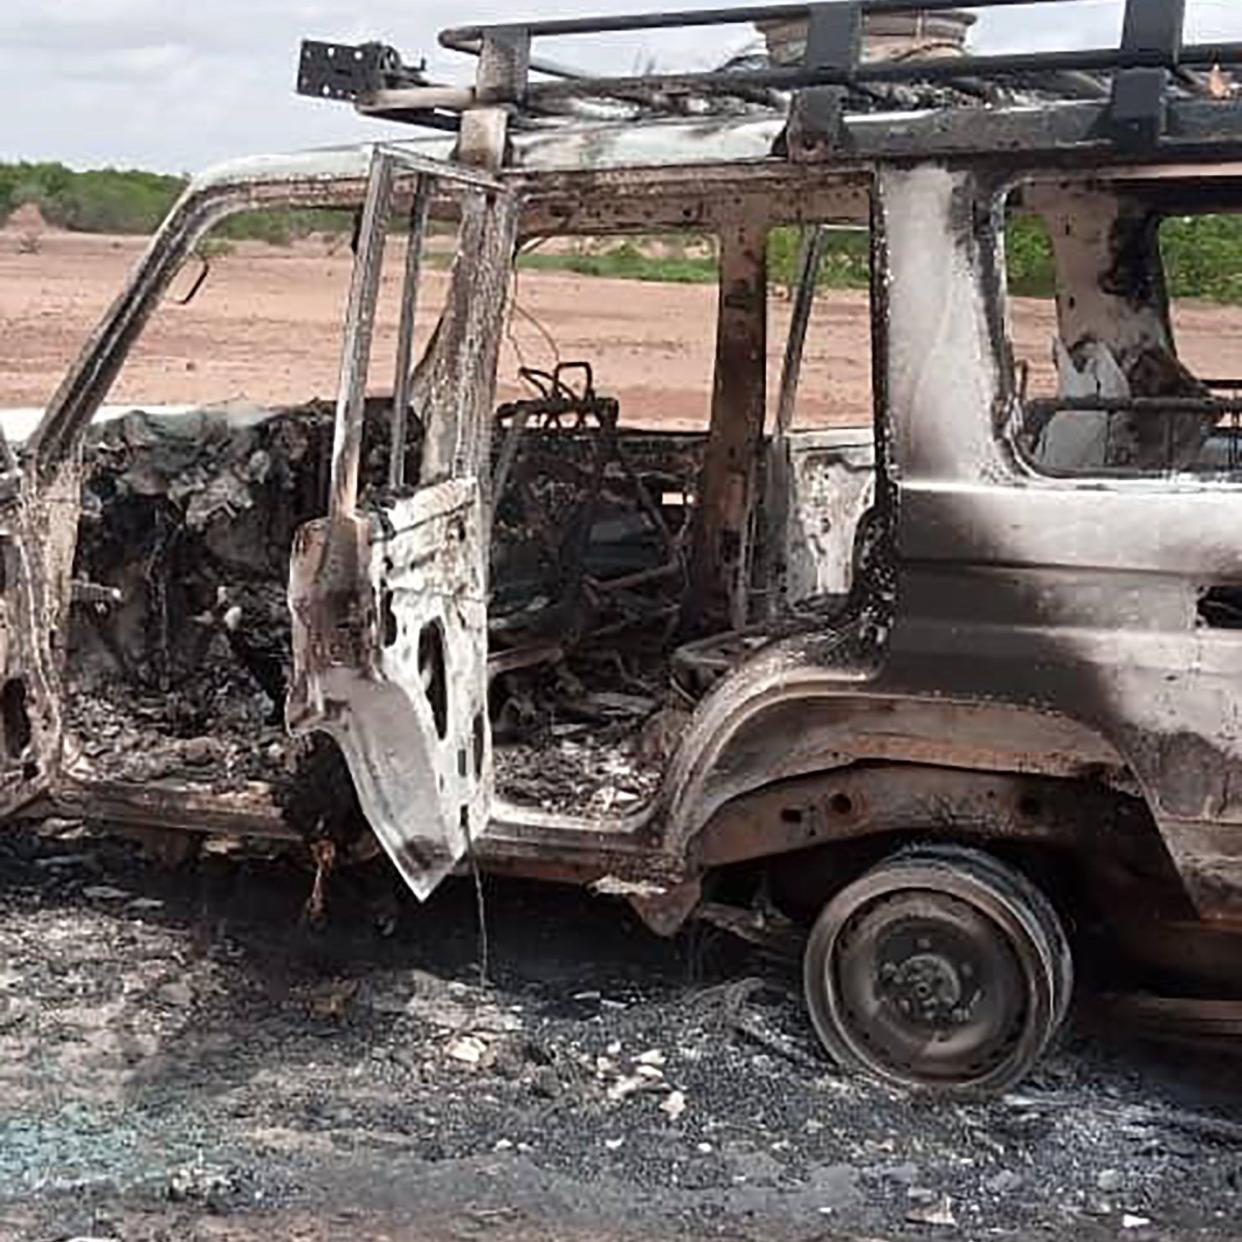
{"x":266,"y":326}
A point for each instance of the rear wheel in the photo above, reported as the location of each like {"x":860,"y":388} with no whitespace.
{"x":942,"y":968}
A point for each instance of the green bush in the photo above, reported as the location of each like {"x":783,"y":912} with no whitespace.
{"x":283,"y":228}
{"x":1028,"y":254}
{"x":214,"y":248}
{"x":113,"y":201}
{"x":847,"y":263}
{"x":847,"y":259}
{"x":272,"y":227}
{"x":23,"y":183}
{"x":103,"y":201}
{"x":1202,"y":255}
{"x":628,"y":262}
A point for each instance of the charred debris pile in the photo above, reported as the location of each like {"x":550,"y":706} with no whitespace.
{"x":180,"y":640}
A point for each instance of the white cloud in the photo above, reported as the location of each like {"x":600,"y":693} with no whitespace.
{"x":1091,"y":23}
{"x":158,"y":84}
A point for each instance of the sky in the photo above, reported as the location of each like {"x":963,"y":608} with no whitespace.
{"x":177,"y":86}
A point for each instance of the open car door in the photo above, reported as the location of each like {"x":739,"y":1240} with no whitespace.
{"x":390,"y":604}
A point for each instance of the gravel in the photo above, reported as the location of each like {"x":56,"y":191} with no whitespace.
{"x":179,"y":1046}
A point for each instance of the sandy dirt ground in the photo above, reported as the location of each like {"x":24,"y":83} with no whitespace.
{"x":266,"y":327}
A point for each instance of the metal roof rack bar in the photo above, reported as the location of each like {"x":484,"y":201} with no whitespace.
{"x":1137,"y":74}
{"x":623,"y":23}
{"x":1152,"y":39}
{"x":1083,"y":60}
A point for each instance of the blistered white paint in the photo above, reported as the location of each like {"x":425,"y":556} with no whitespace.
{"x":418,"y":787}
{"x":321,"y":163}
{"x":832,"y":485}
{"x":437,"y":790}
{"x":942,"y":375}
{"x":564,"y":148}
{"x":648,"y":144}
{"x":568,"y":148}
{"x":1081,"y":223}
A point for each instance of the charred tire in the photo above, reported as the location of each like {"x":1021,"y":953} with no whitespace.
{"x":942,"y":968}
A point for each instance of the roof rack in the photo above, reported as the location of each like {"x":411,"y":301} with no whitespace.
{"x":1151,"y":58}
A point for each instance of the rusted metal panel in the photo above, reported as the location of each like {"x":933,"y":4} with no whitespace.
{"x":1207,"y":852}
{"x":38,"y":531}
{"x":359,"y":323}
{"x":702,"y":199}
{"x":1203,"y":1024}
{"x":504,"y":65}
{"x":483,"y":139}
{"x":251,"y":812}
{"x":904,"y":799}
{"x":720,"y":564}
{"x":798,"y":708}
{"x":403,"y":379}
{"x":455,"y":382}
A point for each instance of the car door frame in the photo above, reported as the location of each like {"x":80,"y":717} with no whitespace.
{"x":389,"y":602}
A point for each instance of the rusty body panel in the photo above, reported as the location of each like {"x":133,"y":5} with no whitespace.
{"x":962,"y":645}
{"x":720,"y":563}
{"x":1014,"y":588}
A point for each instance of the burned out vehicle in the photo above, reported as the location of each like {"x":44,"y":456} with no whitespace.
{"x":957,"y":690}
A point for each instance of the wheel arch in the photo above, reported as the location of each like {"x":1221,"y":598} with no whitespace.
{"x":882,"y":799}
{"x":805,"y":739}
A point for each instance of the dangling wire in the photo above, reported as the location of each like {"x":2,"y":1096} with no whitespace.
{"x":516,"y":308}
{"x":479,"y":901}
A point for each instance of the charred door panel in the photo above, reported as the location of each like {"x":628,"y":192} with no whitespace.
{"x":429,"y":577}
{"x":391,"y":636}
{"x":390,"y":606}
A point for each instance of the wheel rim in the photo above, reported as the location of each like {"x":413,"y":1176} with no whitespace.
{"x":940,"y":969}
{"x":927,"y":985}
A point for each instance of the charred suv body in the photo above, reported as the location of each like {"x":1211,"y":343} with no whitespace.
{"x":946,"y":686}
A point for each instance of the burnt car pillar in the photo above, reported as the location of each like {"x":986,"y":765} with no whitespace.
{"x":727,"y":490}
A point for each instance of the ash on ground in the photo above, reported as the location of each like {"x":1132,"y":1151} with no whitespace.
{"x":178,"y":1046}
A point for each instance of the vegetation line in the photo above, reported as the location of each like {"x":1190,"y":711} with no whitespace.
{"x":1203,"y":255}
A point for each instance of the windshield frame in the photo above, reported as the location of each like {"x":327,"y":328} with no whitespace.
{"x":202,"y":207}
